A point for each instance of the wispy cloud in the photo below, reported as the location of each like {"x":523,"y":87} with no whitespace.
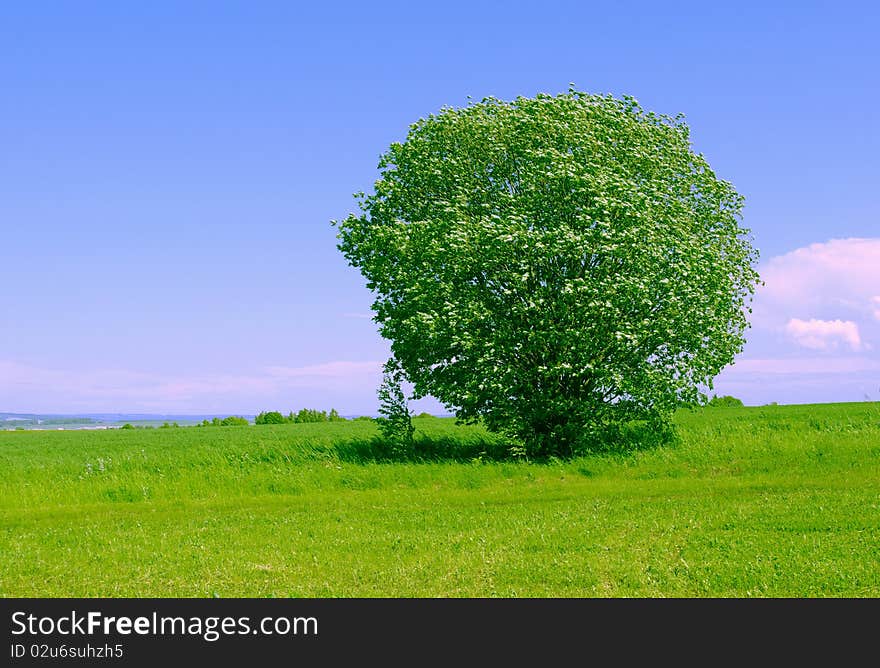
{"x":32,"y":388}
{"x":802,"y":366}
{"x":328,"y":370}
{"x":802,"y":379}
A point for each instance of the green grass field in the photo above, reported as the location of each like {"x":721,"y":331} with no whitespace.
{"x":773,"y":501}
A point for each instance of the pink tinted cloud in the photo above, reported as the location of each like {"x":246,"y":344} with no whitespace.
{"x":750,"y":368}
{"x":824,"y":334}
{"x":815,"y":325}
{"x":840,"y":274}
{"x":26,"y":388}
{"x":327,"y":370}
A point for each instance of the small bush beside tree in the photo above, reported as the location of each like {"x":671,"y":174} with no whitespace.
{"x":395,"y":419}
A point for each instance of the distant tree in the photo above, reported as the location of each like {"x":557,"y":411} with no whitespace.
{"x":127,"y":425}
{"x":424,"y":415}
{"x":233,"y":421}
{"x":272,"y":417}
{"x":334,"y":416}
{"x":307,"y":415}
{"x":726,"y":401}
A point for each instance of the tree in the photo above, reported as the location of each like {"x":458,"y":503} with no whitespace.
{"x":234,"y":421}
{"x":307,"y":415}
{"x":554,"y":265}
{"x":272,"y":417}
{"x":726,"y":401}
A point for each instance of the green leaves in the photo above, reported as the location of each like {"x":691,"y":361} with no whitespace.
{"x":554,"y":264}
{"x":395,"y":418}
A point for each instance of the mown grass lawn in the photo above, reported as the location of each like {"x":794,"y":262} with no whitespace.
{"x":773,"y":501}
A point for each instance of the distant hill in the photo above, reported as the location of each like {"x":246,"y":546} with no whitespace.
{"x":94,"y":420}
{"x":110,"y":420}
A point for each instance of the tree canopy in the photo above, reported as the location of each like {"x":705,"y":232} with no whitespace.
{"x":554,"y":265}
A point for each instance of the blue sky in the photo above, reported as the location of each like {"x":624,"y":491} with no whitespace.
{"x":169,"y":171}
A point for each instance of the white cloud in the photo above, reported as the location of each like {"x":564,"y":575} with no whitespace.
{"x":824,"y":334}
{"x":835,"y":279}
{"x":815,"y":327}
{"x":822,"y":296}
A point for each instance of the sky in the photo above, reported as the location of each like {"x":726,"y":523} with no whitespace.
{"x":169,"y":171}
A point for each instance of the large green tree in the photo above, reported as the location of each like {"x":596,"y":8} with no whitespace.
{"x":554,"y":265}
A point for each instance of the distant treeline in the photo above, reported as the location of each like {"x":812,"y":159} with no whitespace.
{"x":231,"y":421}
{"x":270,"y":417}
{"x":303,"y":416}
{"x":275,"y":417}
